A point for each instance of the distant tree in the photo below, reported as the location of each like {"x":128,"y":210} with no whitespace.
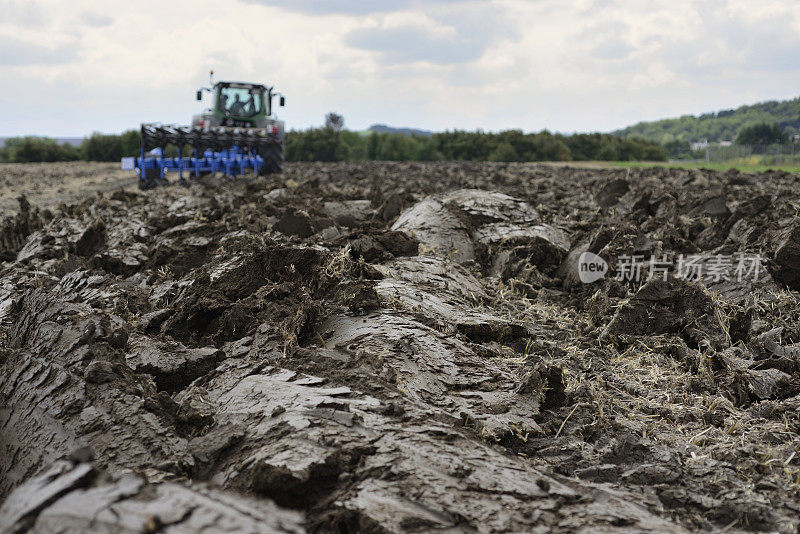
{"x":100,"y":147}
{"x":131,"y":143}
{"x":428,"y":150}
{"x":334,"y":121}
{"x":315,"y":144}
{"x":354,"y":146}
{"x":677,"y":148}
{"x":504,"y":152}
{"x":761,"y":134}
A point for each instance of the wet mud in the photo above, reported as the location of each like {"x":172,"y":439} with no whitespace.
{"x":403,"y":347}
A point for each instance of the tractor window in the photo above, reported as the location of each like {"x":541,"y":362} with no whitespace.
{"x":239,"y":101}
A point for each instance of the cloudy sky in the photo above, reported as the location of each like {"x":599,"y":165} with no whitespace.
{"x":70,"y":68}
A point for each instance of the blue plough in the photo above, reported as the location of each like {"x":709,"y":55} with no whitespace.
{"x":229,"y":151}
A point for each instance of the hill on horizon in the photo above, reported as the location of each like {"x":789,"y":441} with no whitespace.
{"x":718,"y":126}
{"x":382,"y":128}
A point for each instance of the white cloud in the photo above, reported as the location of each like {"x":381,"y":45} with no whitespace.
{"x":19,"y":52}
{"x":99,"y":20}
{"x":348,"y":7}
{"x":22,"y":12}
{"x":440,"y":35}
{"x":71,"y":68}
{"x":420,"y":40}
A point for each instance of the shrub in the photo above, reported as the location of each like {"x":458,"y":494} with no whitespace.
{"x":37,"y":149}
{"x":761,"y":134}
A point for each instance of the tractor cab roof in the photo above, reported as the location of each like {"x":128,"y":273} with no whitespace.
{"x":242,"y":85}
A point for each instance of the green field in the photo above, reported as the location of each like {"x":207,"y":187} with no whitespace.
{"x":716,"y":166}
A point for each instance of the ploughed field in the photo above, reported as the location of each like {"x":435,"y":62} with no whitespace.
{"x":404,"y":347}
{"x":50,"y":184}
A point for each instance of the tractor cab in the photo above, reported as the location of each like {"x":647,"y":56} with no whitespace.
{"x":239,"y":100}
{"x":239,"y":105}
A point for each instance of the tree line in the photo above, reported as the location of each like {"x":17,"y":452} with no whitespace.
{"x":332,"y":143}
{"x":96,"y":147}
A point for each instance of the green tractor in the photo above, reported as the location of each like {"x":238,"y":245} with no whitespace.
{"x":239,"y":134}
{"x":247,"y":107}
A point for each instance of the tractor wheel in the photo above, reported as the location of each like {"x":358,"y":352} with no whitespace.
{"x":150,"y":179}
{"x":273,"y":160}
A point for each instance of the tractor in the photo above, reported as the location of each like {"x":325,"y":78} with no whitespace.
{"x":239,"y":133}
